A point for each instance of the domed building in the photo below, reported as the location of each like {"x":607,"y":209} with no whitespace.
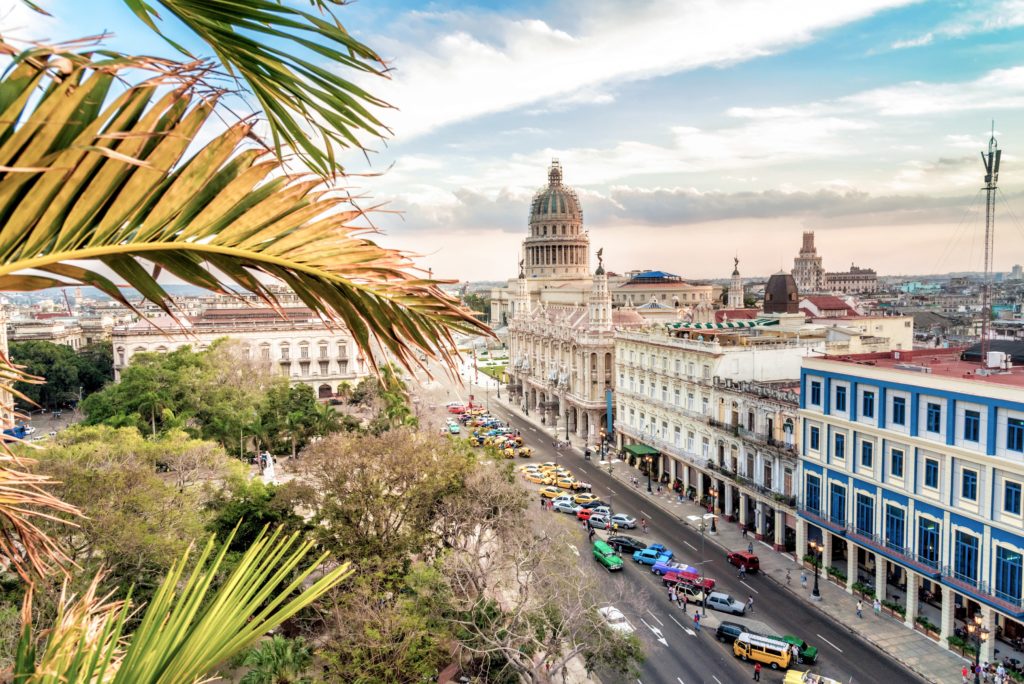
{"x":557,"y":247}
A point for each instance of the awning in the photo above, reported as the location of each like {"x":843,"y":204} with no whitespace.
{"x":641,"y":450}
{"x":748,"y":323}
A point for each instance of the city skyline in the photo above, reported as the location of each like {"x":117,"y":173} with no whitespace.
{"x":860,"y":121}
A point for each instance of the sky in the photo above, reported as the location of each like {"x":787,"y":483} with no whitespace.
{"x":693,"y":130}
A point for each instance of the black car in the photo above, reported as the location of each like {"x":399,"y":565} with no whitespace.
{"x":728,"y":632}
{"x":623,"y":543}
{"x":595,"y":503}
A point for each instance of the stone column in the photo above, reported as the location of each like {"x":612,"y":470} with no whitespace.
{"x":728,"y":502}
{"x":673,"y":470}
{"x":880,"y":576}
{"x":686,"y":477}
{"x":913,"y":582}
{"x":947,"y":621}
{"x":851,"y":565}
{"x":701,"y":489}
{"x":801,"y":539}
{"x":826,"y":554}
{"x":988,"y":621}
{"x":762,"y":518}
{"x":743,"y":508}
{"x":780,"y":530}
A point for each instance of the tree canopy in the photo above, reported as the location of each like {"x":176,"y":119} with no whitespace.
{"x":67,"y":372}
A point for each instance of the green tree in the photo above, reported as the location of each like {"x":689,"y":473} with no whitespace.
{"x":278,"y":661}
{"x":58,"y":363}
{"x":246,"y":507}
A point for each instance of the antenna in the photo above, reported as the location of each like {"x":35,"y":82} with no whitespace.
{"x":991,"y":163}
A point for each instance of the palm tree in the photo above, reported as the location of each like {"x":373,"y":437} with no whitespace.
{"x":278,"y":661}
{"x":99,"y":176}
{"x":326,"y":420}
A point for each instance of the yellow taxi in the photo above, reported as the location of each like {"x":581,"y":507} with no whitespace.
{"x":529,"y":467}
{"x":584,"y":498}
{"x":567,"y":483}
{"x":525,"y":452}
{"x":536,"y":478}
{"x":551,"y":492}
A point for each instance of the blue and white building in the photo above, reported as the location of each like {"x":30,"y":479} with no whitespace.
{"x":911,"y":473}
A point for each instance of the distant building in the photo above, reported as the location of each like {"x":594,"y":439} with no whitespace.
{"x":64,"y":330}
{"x":1016,"y":273}
{"x":298,"y":345}
{"x":811,"y":276}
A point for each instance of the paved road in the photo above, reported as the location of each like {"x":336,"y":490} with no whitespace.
{"x":695,"y":659}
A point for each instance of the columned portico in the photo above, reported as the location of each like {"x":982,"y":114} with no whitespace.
{"x":946,"y":626}
{"x":913,"y":584}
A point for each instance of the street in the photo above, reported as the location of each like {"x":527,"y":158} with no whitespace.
{"x":676,"y":653}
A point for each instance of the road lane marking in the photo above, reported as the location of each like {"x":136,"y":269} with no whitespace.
{"x":655,"y":617}
{"x":716,"y":679}
{"x":830,"y":643}
{"x":574,"y":549}
{"x":657,"y":632}
{"x":581,"y":470}
{"x":645,"y":513}
{"x":533,"y":429}
{"x":685,"y":629}
{"x":749,"y":587}
{"x":690,"y":545}
{"x":611,"y":491}
{"x":680,"y":680}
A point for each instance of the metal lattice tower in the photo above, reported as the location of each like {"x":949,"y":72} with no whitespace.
{"x":991,"y":162}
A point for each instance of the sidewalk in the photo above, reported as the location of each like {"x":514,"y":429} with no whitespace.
{"x":909,"y":647}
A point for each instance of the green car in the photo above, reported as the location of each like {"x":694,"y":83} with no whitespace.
{"x":606,"y":556}
{"x":806,"y":652}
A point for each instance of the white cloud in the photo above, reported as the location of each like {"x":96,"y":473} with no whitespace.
{"x":981,"y":18}
{"x":998,"y":89}
{"x":914,"y":42}
{"x":488,"y":64}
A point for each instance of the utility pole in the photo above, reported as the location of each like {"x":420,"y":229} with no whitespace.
{"x":991,"y":162}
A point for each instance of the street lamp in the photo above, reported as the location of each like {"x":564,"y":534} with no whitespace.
{"x":648,"y":460}
{"x":713,"y":491}
{"x":602,"y":444}
{"x":979,"y":634}
{"x":816,"y":549}
{"x":566,"y":425}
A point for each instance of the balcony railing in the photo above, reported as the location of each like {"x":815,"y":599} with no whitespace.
{"x":728,"y":427}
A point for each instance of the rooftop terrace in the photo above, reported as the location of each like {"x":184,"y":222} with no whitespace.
{"x":936,"y":362}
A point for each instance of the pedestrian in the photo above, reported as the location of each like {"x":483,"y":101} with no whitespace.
{"x":750,"y":547}
{"x":803,"y":578}
{"x":757,"y":672}
{"x":860,"y":609}
{"x":696,"y":621}
{"x":877,"y":606}
{"x":590,"y":535}
{"x":672,"y":596}
{"x":743,"y":571}
{"x":686,"y":599}
{"x":795,"y":654}
{"x":543,"y":504}
{"x":750,"y":604}
{"x":743,"y":531}
{"x":964,"y":677}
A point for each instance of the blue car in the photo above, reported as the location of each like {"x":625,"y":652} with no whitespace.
{"x":651,"y":555}
{"x":665,"y":565}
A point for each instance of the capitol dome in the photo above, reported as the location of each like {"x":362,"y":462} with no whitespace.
{"x":557,"y":246}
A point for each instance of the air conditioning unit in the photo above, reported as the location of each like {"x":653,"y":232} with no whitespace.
{"x":996,"y":359}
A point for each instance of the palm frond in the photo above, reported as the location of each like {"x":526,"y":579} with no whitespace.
{"x":223,"y":217}
{"x":259,"y":41}
{"x":189,"y":628}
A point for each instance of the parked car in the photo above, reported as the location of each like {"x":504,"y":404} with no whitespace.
{"x":628,"y":544}
{"x":661,"y":547}
{"x":747,"y":560}
{"x":802,"y":677}
{"x":728,"y":632}
{"x":805,"y":652}
{"x":650,"y":556}
{"x":606,"y":556}
{"x":725,"y":603}
{"x":601,"y":510}
{"x":672,"y":577}
{"x":615,"y":619}
{"x":600,"y":522}
{"x":567,"y":498}
{"x":664,"y":565}
{"x":565,"y":507}
{"x":585,"y":498}
{"x":453,"y":428}
{"x":550,"y":492}
{"x":583,"y":513}
{"x":594,"y":502}
{"x":692,"y":592}
{"x":624,"y":521}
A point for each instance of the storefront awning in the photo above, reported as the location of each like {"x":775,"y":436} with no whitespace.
{"x":641,"y":450}
{"x":726,"y":325}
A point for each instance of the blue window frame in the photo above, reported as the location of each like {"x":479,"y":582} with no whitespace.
{"x":931,"y":473}
{"x":840,"y":447}
{"x":896,"y":463}
{"x":840,"y":398}
{"x":895,"y":525}
{"x":837,"y":505}
{"x":969,"y":485}
{"x":867,"y":408}
{"x":965,"y":557}
{"x":899,"y":411}
{"x":928,"y":541}
{"x":814,"y":494}
{"x":815,"y":438}
{"x":933,"y":418}
{"x":1015,"y":434}
{"x":865,"y":515}
{"x":972,"y":426}
{"x":867,"y":454}
{"x":1011,"y":497}
{"x":1008,"y":574}
{"x":815,"y":393}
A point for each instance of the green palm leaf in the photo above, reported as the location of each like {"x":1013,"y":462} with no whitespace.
{"x":189,"y":629}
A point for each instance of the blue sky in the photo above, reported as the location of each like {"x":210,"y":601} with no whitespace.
{"x":692,"y":130}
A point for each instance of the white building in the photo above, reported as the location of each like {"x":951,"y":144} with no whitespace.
{"x":299,"y":345}
{"x":912,"y":472}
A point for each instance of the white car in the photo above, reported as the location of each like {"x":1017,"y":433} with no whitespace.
{"x":565,"y":507}
{"x":615,"y":619}
{"x":624,"y":521}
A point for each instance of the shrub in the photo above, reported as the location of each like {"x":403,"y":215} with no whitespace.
{"x":926,"y":623}
{"x":864,"y":589}
{"x":813,"y":560}
{"x":892,"y":605}
{"x":836,"y":573}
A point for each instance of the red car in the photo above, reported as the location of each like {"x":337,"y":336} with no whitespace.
{"x":747,"y":560}
{"x":670,"y":578}
{"x":456,"y":409}
{"x":584,"y":513}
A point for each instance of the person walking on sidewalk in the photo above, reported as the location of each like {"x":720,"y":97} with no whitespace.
{"x":672,"y":596}
{"x":877,"y":607}
{"x":696,"y":621}
{"x":685,"y":601}
{"x":860,"y":609}
{"x":757,"y":672}
{"x":743,"y":572}
{"x":743,"y":531}
{"x":803,"y":578}
{"x":590,"y":535}
{"x":750,"y":605}
{"x":750,"y":547}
